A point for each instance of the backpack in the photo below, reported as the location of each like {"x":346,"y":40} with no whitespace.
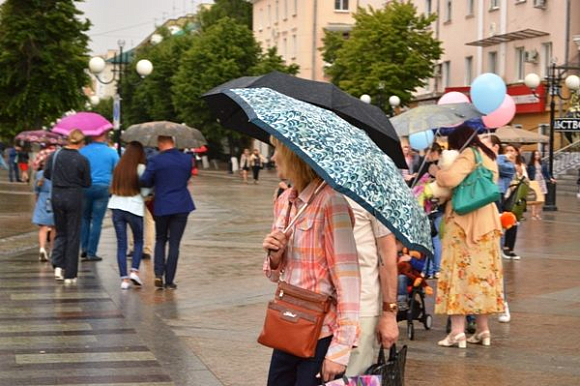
{"x":516,"y":201}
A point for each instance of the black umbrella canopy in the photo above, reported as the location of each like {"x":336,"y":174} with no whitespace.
{"x":367,"y":117}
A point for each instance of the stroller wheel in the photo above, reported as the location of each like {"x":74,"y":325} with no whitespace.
{"x":428,"y":323}
{"x":410,"y":331}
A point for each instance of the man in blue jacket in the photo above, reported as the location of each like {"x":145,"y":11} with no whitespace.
{"x":103,"y":160}
{"x":169,"y":173}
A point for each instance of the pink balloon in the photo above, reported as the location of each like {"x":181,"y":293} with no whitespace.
{"x":453,"y":97}
{"x":502,"y":115}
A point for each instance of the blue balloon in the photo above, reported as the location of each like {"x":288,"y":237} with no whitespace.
{"x":421,"y":140}
{"x":488,"y":92}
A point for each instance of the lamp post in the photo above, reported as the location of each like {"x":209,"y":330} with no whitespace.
{"x":554,"y":84}
{"x":97,"y":65}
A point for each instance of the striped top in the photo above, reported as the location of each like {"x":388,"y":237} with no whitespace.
{"x":321,"y":256}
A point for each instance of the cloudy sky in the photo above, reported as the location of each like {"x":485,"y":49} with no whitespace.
{"x":130,"y":20}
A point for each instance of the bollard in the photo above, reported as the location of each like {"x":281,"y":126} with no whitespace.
{"x":578,"y":183}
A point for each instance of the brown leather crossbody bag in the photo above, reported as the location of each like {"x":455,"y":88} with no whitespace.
{"x":295,"y":317}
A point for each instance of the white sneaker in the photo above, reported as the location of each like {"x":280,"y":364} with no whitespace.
{"x":505,"y":317}
{"x":135,"y":278}
{"x":58,"y":274}
{"x":125,"y":285}
{"x":70,"y":281}
{"x":42,"y":255}
{"x":506,"y":254}
{"x":514,"y":256}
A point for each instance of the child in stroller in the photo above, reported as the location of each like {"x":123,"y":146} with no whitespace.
{"x":412,"y":290}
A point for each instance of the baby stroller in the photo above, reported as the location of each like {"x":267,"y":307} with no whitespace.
{"x":413,"y":289}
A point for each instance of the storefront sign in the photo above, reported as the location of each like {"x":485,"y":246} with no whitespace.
{"x":567,"y":124}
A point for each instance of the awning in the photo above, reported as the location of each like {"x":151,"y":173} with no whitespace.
{"x":338,"y":27}
{"x":509,"y":37}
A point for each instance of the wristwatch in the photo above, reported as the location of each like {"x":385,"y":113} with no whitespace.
{"x":390,"y":307}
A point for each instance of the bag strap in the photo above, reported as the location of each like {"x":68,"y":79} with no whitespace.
{"x":381,"y":360}
{"x":54,"y":163}
{"x":301,"y":210}
{"x":478,"y":160}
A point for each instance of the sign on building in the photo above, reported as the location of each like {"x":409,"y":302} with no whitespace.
{"x":567,"y":124}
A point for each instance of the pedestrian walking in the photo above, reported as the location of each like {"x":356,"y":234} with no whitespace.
{"x":539,"y":175}
{"x":23,"y":159}
{"x":318,"y":255}
{"x":128,"y":209}
{"x":43,"y":215}
{"x":168,"y":172}
{"x":377,"y":256}
{"x":245,"y":163}
{"x":511,"y":152}
{"x":257,"y":161}
{"x":3,"y":164}
{"x":103,"y":160}
{"x":69,"y":173}
{"x":13,"y":172}
{"x":471,"y":280}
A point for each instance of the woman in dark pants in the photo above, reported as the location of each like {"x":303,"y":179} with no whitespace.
{"x":69,"y":175}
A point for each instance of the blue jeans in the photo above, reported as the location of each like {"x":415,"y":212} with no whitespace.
{"x":289,"y":370}
{"x":121,"y":219}
{"x":168,"y":228}
{"x":434,"y":265}
{"x":402,"y":293}
{"x":94,"y":209}
{"x":14,"y":172}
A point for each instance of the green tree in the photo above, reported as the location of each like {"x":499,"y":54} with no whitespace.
{"x":105,"y":108}
{"x":393,"y":46}
{"x":238,"y":10}
{"x":43,"y":57}
{"x":271,"y":61}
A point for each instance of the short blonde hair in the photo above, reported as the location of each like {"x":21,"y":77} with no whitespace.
{"x":299,"y":172}
{"x":75,"y":137}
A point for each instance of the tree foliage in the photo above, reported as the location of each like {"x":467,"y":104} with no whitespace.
{"x":393,"y":46}
{"x":238,"y":10}
{"x":43,"y":57}
{"x":105,"y":108}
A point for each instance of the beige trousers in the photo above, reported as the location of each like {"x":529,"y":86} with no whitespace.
{"x":148,"y":234}
{"x":366,"y":354}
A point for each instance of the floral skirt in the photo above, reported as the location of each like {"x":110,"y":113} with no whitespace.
{"x":471,"y":276}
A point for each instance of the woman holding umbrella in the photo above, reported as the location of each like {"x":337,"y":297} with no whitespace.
{"x":471,"y":281}
{"x":319,"y":254}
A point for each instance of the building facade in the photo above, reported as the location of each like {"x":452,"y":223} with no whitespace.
{"x":511,"y":38}
{"x":296,"y":28}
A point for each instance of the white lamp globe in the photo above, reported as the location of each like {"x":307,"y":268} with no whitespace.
{"x":156,"y":39}
{"x":94,"y":100}
{"x":532,"y":81}
{"x":573,"y":82}
{"x":144,"y":67}
{"x":365,"y":98}
{"x":96,"y":65}
{"x":394,"y":101}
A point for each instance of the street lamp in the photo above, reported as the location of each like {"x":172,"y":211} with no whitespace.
{"x":365,"y":98}
{"x":553,"y":82}
{"x":395,"y":102}
{"x":97,"y":65}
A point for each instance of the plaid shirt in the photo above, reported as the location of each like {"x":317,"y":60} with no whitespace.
{"x":321,"y":256}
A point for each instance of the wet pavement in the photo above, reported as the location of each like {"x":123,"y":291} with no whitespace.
{"x":204,"y":333}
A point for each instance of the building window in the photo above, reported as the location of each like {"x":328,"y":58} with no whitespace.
{"x":285,"y":9}
{"x":428,"y":7}
{"x":446,"y":74}
{"x":448,"y":10}
{"x":470,"y":7}
{"x":546,"y":59}
{"x":492,"y":62}
{"x":285,"y":48}
{"x":520,"y":63}
{"x":341,"y":5}
{"x":269,"y":15}
{"x":277,"y":11}
{"x":295,"y":8}
{"x":493,"y":5}
{"x":294,"y":47}
{"x":468,"y":70}
{"x":261,"y":23}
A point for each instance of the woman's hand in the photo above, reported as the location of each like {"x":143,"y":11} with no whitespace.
{"x":331,"y":370}
{"x":275,"y":244}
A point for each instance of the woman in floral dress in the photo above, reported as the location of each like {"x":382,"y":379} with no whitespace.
{"x":471,"y":280}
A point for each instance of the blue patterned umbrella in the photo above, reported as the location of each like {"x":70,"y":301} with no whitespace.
{"x":344,"y":156}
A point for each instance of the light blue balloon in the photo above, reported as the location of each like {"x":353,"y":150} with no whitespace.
{"x":421,"y":140}
{"x":488,"y":92}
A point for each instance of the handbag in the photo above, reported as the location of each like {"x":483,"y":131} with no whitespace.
{"x":358,"y":380}
{"x":392,"y":371}
{"x":535,"y":195}
{"x":476,"y":190}
{"x":295,"y":317}
{"x":516,"y":201}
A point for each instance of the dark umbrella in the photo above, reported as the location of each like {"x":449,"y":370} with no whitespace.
{"x":147,"y":133}
{"x":367,"y":117}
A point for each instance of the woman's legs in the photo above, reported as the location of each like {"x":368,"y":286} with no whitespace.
{"x":245,"y":175}
{"x":458,"y":324}
{"x":482,"y":322}
{"x":256,"y":172}
{"x":120,"y":224}
{"x":42,"y":236}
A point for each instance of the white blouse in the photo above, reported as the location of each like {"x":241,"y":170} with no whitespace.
{"x":132,"y":204}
